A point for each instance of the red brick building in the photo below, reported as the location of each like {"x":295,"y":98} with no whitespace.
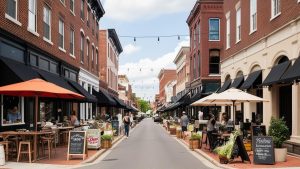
{"x":262,"y":49}
{"x":165,"y":76}
{"x":41,"y":39}
{"x":206,"y":24}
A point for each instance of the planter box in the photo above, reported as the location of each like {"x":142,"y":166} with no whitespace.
{"x":223,"y":160}
{"x":178,"y":133}
{"x":173,"y":131}
{"x":106,"y":144}
{"x":194,"y":144}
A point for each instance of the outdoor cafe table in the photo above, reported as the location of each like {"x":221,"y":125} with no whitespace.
{"x":33,"y":134}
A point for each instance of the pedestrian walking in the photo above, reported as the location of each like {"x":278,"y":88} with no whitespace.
{"x":184,"y":121}
{"x":126,"y":121}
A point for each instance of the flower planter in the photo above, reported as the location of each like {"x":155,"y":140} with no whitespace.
{"x":280,"y":154}
{"x":106,"y":144}
{"x":178,"y":133}
{"x":194,"y":144}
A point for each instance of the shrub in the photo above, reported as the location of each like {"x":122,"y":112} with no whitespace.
{"x":279,"y":131}
{"x":195,"y":136}
{"x":227,"y":149}
{"x":106,"y":137}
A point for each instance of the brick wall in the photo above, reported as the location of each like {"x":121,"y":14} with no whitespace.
{"x":58,"y":11}
{"x":290,"y":10}
{"x":167,"y":75}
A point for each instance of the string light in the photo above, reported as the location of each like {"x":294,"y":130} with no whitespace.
{"x":154,"y":36}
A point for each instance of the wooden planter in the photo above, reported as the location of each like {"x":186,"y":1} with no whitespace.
{"x":173,"y":131}
{"x":178,"y":133}
{"x":106,"y":144}
{"x":194,"y":144}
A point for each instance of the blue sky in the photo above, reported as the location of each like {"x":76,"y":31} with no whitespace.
{"x":142,"y":60}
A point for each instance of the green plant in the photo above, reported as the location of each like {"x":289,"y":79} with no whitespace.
{"x":106,"y":137}
{"x":279,"y":131}
{"x":195,"y":136}
{"x":226,"y":149}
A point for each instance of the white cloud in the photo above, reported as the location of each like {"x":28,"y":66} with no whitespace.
{"x":143,"y":73}
{"x":130,"y":49}
{"x":131,"y":10}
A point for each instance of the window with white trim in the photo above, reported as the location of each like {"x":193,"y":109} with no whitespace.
{"x":47,"y":23}
{"x":199,"y":31}
{"x":62,"y":1}
{"x":96,"y":58}
{"x":12,"y":8}
{"x":275,"y":8}
{"x":32,"y":15}
{"x":82,"y":9}
{"x":72,"y":34}
{"x":93,"y":48}
{"x":228,"y":32}
{"x":238,"y":25}
{"x":12,"y":110}
{"x":195,"y":37}
{"x":72,"y":5}
{"x":253,"y":15}
{"x":214,"y":29}
{"x":82,"y":48}
{"x":88,"y":51}
{"x":61,"y":33}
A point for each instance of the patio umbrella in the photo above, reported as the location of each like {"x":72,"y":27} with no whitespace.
{"x":205,"y":101}
{"x":38,"y":88}
{"x":234,"y":96}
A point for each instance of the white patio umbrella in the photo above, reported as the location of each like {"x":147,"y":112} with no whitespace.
{"x":205,"y":101}
{"x":234,"y":96}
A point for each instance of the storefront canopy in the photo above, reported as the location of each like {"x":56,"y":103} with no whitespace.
{"x":276,"y":73}
{"x":88,"y":97}
{"x":104,"y":99}
{"x":13,"y":72}
{"x":293,"y":72}
{"x":120,"y":103}
{"x":225,"y":86}
{"x":237,"y":82}
{"x":252,"y":80}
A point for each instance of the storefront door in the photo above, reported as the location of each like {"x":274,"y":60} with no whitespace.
{"x":285,"y":105}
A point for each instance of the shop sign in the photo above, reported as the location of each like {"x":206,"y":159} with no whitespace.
{"x":77,"y":144}
{"x":263,"y":150}
{"x":94,"y":138}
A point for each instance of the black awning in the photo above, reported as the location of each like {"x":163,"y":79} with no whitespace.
{"x":50,"y":77}
{"x":88,"y":97}
{"x":13,"y":72}
{"x":104,"y":99}
{"x":292,"y":73}
{"x":252,"y":80}
{"x":120,"y":103}
{"x":276,"y":73}
{"x":225,"y":86}
{"x":237,"y":82}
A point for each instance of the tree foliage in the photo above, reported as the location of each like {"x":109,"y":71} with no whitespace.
{"x":143,"y":105}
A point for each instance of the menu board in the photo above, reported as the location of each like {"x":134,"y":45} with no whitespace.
{"x":115,"y":126}
{"x":263,"y":150}
{"x":77,"y":143}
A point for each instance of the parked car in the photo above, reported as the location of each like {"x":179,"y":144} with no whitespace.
{"x":158,"y":119}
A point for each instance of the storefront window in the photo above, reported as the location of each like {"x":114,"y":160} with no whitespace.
{"x":12,"y":110}
{"x":46,"y":111}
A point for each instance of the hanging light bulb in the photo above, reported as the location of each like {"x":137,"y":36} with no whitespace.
{"x":134,"y":39}
{"x":158,"y":39}
{"x":178,"y":37}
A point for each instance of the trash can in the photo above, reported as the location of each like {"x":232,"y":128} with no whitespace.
{"x":2,"y":155}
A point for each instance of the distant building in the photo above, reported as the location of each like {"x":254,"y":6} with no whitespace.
{"x":165,"y":76}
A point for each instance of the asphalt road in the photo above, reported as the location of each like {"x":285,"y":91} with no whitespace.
{"x":149,"y":147}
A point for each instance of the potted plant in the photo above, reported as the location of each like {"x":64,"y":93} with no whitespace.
{"x":225,"y":151}
{"x":106,"y":141}
{"x":178,"y":132}
{"x":280,"y":133}
{"x":195,"y":141}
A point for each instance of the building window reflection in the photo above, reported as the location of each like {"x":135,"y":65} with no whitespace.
{"x":12,"y":110}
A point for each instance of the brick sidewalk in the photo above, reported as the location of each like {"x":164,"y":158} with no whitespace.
{"x":292,"y":161}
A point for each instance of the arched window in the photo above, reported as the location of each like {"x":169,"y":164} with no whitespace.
{"x":282,"y":59}
{"x":214,"y":61}
{"x":82,"y":48}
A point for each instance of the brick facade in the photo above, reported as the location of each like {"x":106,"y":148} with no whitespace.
{"x":58,"y":11}
{"x":290,"y":10}
{"x":165,"y":76}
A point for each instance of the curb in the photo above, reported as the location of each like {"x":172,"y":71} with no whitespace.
{"x":100,"y":152}
{"x":208,"y":158}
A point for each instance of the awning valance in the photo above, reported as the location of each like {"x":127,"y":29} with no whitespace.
{"x":237,"y":82}
{"x":104,"y":99}
{"x":292,"y":73}
{"x":225,"y":86}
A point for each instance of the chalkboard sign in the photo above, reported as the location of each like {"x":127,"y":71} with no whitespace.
{"x":115,"y":126}
{"x":263,"y":150}
{"x":241,"y":149}
{"x":258,"y":130}
{"x":77,"y":143}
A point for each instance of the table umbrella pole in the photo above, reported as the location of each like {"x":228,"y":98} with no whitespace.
{"x":36,"y":111}
{"x":233,"y":104}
